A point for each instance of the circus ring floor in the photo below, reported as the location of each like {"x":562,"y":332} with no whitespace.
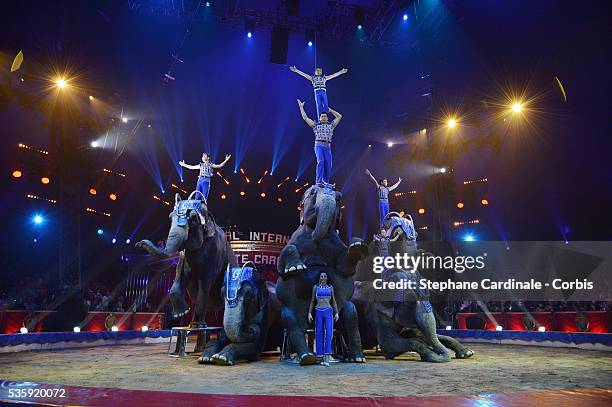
{"x":494,"y":370}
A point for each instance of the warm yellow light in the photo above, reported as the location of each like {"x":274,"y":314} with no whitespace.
{"x":113,"y":197}
{"x":451,"y":123}
{"x":93,"y":191}
{"x":61,"y":83}
{"x":484,"y":201}
{"x":263,"y":194}
{"x":223,"y":196}
{"x":45,"y":180}
{"x":279,"y":199}
{"x":91,"y":97}
{"x":242,"y":193}
{"x":517,"y":107}
{"x":460,"y":205}
{"x":17,"y":174}
{"x":421,"y":211}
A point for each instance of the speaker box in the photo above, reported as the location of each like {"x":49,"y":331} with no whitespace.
{"x":279,"y":45}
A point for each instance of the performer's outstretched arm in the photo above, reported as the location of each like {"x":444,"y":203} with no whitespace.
{"x":227,"y":157}
{"x":371,"y":176}
{"x":188,"y":166}
{"x":297,"y":71}
{"x":337,"y":116}
{"x":392,"y":187}
{"x":307,"y":119}
{"x":340,"y":72}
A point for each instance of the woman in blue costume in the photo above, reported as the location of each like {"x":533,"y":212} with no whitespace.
{"x":326,"y":313}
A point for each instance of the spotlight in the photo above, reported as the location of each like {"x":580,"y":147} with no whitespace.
{"x":92,"y":191}
{"x":124,"y":119}
{"x":23,"y":330}
{"x":279,"y":199}
{"x":112,"y":197}
{"x":249,"y":27}
{"x":359,"y":26}
{"x":94,"y":144}
{"x":443,"y":170}
{"x":541,"y":329}
{"x":38,"y":219}
{"x":484,"y":201}
{"x":460,"y":205}
{"x":359,"y":15}
{"x":114,"y":328}
{"x":421,"y":211}
{"x":61,"y":83}
{"x":45,"y":180}
{"x":499,"y":328}
{"x":405,"y":17}
{"x":114,"y":240}
{"x":149,"y":125}
{"x":517,"y":107}
{"x":448,"y":327}
{"x":91,"y":97}
{"x":389,"y":144}
{"x":369,"y":145}
{"x":208,"y":4}
{"x":242,"y":193}
{"x":144,"y":328}
{"x":451,"y":123}
{"x":468,"y":238}
{"x":223,"y":196}
{"x":127,"y":241}
{"x":310,"y":43}
{"x":263,"y":194}
{"x":100,"y":232}
{"x":76,"y":329}
{"x":35,"y":240}
{"x":17,"y":174}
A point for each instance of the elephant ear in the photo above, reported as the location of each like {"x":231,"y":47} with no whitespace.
{"x":210,"y":228}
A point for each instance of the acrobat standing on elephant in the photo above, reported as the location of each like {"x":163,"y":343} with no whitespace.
{"x":205,"y":253}
{"x":315,"y":247}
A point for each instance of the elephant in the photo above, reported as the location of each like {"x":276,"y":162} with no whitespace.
{"x":313,"y":248}
{"x":251,"y":308}
{"x":403,"y":320}
{"x":204,"y":255}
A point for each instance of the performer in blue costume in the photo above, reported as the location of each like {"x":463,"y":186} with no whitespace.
{"x":318,"y":82}
{"x":324,"y":132}
{"x":326,"y":313}
{"x":382,"y":190}
{"x":206,"y":171}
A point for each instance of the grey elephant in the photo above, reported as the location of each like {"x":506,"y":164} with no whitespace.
{"x":205,"y":251}
{"x":313,"y":248}
{"x":403,"y":320}
{"x":251,"y":307}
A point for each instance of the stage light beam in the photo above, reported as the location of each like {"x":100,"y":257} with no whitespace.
{"x":451,"y":123}
{"x":38,"y":219}
{"x":517,"y":107}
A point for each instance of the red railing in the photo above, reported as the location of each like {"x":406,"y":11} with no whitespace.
{"x":595,"y":321}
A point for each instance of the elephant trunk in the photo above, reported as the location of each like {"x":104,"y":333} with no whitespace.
{"x":326,"y":214}
{"x":427,"y":322}
{"x":173,"y":244}
{"x":236,"y":327}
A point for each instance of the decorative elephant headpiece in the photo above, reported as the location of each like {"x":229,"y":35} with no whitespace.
{"x":235,"y":277}
{"x":320,"y":209}
{"x":192,"y":215}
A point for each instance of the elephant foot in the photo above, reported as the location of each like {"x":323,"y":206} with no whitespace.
{"x":356,"y":358}
{"x":179,"y":306}
{"x":435,"y":358}
{"x":357,"y":249}
{"x":308,"y":359}
{"x":205,"y":360}
{"x":389,"y":356}
{"x":464,"y":353}
{"x":291,"y":269}
{"x":222,"y":360}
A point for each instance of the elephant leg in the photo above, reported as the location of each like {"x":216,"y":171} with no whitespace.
{"x":177,"y":298}
{"x":350,"y":321}
{"x":200,"y":298}
{"x":212,"y":348}
{"x":427,"y":323}
{"x":235,"y":351}
{"x":392,"y":344}
{"x":289,"y":261}
{"x":296,"y":329}
{"x":461,"y":352}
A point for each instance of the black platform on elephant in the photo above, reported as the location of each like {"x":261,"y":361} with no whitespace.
{"x":182,"y":338}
